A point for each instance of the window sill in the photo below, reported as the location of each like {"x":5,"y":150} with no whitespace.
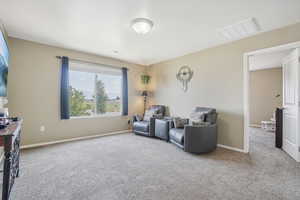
{"x":98,"y":116}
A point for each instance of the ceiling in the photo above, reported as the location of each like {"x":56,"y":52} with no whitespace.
{"x":268,"y":60}
{"x":102,"y":27}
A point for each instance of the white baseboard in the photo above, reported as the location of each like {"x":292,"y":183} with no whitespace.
{"x":102,"y":135}
{"x":73,"y":139}
{"x":231,"y":148}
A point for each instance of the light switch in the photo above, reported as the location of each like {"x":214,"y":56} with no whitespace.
{"x":42,"y":128}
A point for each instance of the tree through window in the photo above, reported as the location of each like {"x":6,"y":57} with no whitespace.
{"x":94,"y":90}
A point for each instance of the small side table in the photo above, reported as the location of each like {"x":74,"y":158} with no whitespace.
{"x":268,"y":125}
{"x":162,"y":129}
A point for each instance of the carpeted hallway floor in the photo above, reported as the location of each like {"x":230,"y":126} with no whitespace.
{"x":130,"y":167}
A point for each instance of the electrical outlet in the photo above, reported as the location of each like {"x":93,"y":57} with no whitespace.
{"x":42,"y":128}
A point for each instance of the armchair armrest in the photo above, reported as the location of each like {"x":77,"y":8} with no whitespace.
{"x":198,"y":139}
{"x":136,"y":118}
{"x":171,"y":124}
{"x":152,"y":124}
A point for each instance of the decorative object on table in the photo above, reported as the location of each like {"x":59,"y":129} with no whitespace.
{"x":145,"y":79}
{"x":185,"y":75}
{"x":145,"y":95}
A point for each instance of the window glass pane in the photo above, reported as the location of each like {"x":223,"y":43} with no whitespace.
{"x":82,"y":101}
{"x":94,"y":93}
{"x":108,"y":93}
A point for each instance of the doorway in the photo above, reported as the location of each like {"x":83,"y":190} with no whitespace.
{"x":285,"y":57}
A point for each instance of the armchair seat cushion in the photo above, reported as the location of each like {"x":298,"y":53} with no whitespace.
{"x":177,"y":134}
{"x":141,"y":126}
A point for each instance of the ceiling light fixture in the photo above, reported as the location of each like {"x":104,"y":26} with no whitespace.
{"x":141,"y":25}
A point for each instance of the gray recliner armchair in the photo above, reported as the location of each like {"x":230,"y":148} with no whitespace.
{"x":198,"y":138}
{"x":146,"y":127}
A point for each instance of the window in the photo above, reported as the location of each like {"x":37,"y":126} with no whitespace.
{"x":94,"y":90}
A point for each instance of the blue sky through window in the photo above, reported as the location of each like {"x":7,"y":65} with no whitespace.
{"x":85,"y":81}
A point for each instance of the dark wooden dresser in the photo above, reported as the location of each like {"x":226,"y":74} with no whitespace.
{"x":10,"y":139}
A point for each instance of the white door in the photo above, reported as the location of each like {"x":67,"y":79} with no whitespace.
{"x":291,"y":138}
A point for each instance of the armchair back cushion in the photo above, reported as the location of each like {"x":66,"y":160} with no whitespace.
{"x":157,"y":111}
{"x":204,"y":114}
{"x":160,"y":109}
{"x":148,"y":114}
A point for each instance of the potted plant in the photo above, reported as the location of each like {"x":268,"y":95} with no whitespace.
{"x":145,"y":79}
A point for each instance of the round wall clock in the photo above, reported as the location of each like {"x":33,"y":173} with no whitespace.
{"x":184,"y":75}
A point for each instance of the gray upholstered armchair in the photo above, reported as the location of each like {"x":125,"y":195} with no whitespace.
{"x":199,"y":138}
{"x":146,"y":125}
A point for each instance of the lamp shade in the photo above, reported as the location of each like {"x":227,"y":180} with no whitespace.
{"x":144,"y":93}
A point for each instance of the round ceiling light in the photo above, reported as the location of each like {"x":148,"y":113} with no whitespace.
{"x":141,"y":25}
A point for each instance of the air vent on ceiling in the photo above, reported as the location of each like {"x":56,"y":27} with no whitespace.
{"x":239,"y":30}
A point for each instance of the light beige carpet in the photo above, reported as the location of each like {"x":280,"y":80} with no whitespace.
{"x":130,"y":167}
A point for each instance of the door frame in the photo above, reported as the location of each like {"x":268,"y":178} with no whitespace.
{"x":246,"y":84}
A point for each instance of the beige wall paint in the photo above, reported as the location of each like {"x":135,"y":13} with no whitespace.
{"x":33,"y":92}
{"x":217,"y":81}
{"x":264,"y":86}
